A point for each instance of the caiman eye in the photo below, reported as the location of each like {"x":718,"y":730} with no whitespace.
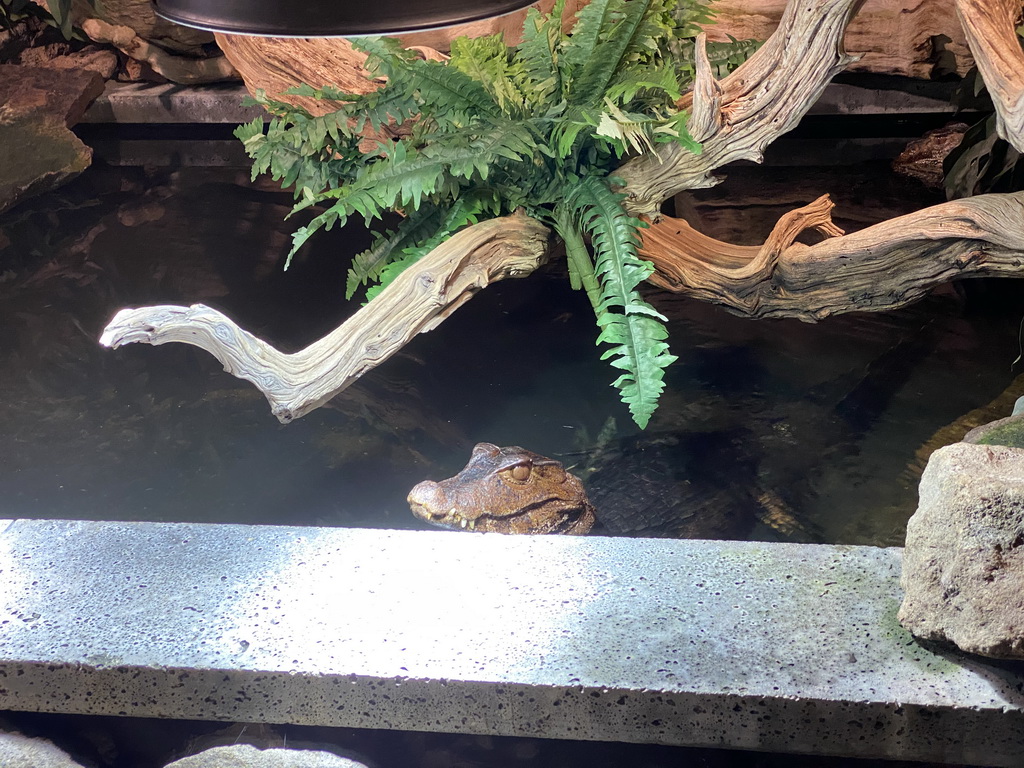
{"x":520,"y":472}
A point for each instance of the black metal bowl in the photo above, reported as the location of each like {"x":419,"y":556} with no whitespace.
{"x":328,"y":18}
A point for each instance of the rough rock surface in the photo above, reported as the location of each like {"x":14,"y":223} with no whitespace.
{"x":37,"y":106}
{"x":245,"y":756}
{"x":1008,"y":431}
{"x":963,"y":565}
{"x":17,"y":751}
{"x":99,"y":60}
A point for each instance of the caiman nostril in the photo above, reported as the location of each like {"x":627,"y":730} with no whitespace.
{"x":426,"y":495}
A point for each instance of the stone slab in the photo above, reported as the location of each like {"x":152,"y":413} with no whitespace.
{"x":134,"y":103}
{"x":781,"y":647}
{"x":168,"y":103}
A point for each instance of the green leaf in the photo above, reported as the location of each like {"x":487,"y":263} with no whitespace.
{"x":539,"y":50}
{"x":632,"y":326}
{"x":593,"y":19}
{"x":367,"y":265}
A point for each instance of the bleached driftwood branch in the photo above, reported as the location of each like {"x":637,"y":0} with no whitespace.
{"x":990,"y":26}
{"x":419,"y":300}
{"x":762,"y":99}
{"x":883,"y":266}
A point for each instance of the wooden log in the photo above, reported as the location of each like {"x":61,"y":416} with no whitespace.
{"x":892,"y":37}
{"x":991,"y":31}
{"x":762,"y":99}
{"x":275,"y":64}
{"x":177,"y":69}
{"x":419,"y":300}
{"x":880,"y":267}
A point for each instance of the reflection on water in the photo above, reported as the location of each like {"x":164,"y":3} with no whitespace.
{"x":824,"y":418}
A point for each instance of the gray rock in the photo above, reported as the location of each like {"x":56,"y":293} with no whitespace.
{"x":246,"y":756}
{"x":17,"y":751}
{"x":963,"y":565}
{"x":1008,"y":431}
{"x":37,"y":151}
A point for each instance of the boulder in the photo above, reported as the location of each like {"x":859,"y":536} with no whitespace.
{"x":246,"y":756}
{"x":963,"y":564}
{"x":17,"y":751}
{"x":1008,"y":431}
{"x":37,"y":107}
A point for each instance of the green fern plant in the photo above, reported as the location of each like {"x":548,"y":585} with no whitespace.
{"x":537,"y":126}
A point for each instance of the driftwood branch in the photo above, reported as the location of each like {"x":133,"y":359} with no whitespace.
{"x":419,"y":300}
{"x":736,"y":119}
{"x":881,"y":267}
{"x":177,"y":69}
{"x":990,"y":26}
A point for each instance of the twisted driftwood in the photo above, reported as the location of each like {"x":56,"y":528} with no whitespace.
{"x":990,"y":26}
{"x":881,"y":267}
{"x":764,"y":98}
{"x":418,"y":300}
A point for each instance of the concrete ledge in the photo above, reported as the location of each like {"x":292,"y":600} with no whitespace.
{"x":777,"y":647}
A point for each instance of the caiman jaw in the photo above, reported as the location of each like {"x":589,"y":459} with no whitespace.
{"x":486,"y":523}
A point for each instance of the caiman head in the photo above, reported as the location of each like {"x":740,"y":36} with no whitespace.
{"x":506,"y":490}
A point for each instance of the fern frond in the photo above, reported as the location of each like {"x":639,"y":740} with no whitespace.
{"x":367,"y":265}
{"x":539,"y":52}
{"x":591,"y":20}
{"x":464,"y":211}
{"x":640,"y":350}
{"x":630,"y":324}
{"x":625,"y":129}
{"x":384,"y":56}
{"x":658,"y":83}
{"x":440,"y":91}
{"x":488,"y":61}
{"x":632,"y":33}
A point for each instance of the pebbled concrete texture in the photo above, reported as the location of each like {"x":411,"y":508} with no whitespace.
{"x":782,"y":647}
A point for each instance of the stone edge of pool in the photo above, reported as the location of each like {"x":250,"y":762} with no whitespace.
{"x":749,"y":645}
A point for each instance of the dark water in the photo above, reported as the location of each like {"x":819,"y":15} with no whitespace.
{"x":826,"y":416}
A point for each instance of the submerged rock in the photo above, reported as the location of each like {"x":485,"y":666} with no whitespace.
{"x":245,"y":756}
{"x":37,"y":106}
{"x":17,"y":751}
{"x":963,"y":564}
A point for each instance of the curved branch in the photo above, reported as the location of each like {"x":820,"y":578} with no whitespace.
{"x":990,"y":26}
{"x":177,"y":69}
{"x":764,"y":98}
{"x":880,"y":267}
{"x":419,"y":300}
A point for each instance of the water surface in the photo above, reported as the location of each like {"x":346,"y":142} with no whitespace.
{"x":826,"y":415}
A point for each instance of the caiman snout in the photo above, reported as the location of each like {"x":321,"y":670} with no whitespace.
{"x":426,"y":496}
{"x":429,"y":502}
